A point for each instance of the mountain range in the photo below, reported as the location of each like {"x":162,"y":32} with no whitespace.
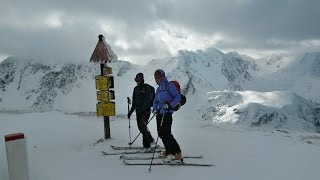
{"x":279,"y":91}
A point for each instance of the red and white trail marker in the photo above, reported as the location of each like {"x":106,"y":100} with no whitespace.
{"x":17,"y":157}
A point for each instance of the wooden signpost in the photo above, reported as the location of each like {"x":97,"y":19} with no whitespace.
{"x":104,"y":85}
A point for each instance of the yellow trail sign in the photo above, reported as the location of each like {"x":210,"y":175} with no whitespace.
{"x":103,"y":96}
{"x":102,"y":83}
{"x":106,"y":109}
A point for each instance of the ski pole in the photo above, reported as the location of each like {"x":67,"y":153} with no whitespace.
{"x":129,"y":102}
{"x":140,"y":132}
{"x":154,"y":150}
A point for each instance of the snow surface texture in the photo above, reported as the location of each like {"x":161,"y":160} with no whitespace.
{"x":68,"y":147}
{"x":276,"y":92}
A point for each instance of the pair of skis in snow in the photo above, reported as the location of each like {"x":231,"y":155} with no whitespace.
{"x":139,"y":160}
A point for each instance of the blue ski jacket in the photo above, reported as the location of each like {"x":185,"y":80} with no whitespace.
{"x":166,"y":93}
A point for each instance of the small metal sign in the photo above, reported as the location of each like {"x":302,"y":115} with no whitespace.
{"x":106,"y":109}
{"x":102,"y":83}
{"x":112,"y":95}
{"x":107,"y":70}
{"x":111,"y":81}
{"x":103,"y":96}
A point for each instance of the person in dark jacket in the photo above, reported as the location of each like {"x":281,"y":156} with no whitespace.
{"x":141,"y":100}
{"x":166,"y":99}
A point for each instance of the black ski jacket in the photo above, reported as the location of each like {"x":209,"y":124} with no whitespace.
{"x":141,"y":98}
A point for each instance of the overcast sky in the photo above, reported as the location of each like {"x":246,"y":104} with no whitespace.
{"x":142,"y":30}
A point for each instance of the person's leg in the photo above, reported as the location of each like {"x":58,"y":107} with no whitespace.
{"x":148,"y":137}
{"x":160,"y":132}
{"x":172,"y":145}
{"x":142,"y":126}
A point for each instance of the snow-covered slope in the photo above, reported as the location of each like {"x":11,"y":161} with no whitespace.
{"x":283,"y":72}
{"x":68,"y":147}
{"x":280,"y":110}
{"x":33,"y":84}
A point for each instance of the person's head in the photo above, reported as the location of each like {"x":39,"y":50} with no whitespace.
{"x":139,"y":78}
{"x":159,"y":75}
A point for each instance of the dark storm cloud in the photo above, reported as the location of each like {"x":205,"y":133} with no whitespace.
{"x":70,"y":28}
{"x":254,"y":20}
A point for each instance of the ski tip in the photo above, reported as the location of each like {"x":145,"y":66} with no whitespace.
{"x":209,"y":165}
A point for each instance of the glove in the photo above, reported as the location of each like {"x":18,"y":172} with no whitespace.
{"x":178,"y":106}
{"x":166,"y":106}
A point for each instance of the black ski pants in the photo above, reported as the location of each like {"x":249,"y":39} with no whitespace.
{"x":142,"y":121}
{"x":164,"y":132}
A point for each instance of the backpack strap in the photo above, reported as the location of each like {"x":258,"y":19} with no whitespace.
{"x":169,"y":91}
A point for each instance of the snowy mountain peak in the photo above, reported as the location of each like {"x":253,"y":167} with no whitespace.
{"x":35,"y":84}
{"x":236,"y":70}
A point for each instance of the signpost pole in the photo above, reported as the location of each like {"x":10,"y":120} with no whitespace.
{"x":106,"y":120}
{"x":106,"y":127}
{"x":105,"y":106}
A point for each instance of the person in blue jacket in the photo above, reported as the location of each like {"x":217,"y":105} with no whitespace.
{"x":166,"y":99}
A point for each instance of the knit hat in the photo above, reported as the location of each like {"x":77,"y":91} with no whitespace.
{"x":139,"y":77}
{"x":159,"y":72}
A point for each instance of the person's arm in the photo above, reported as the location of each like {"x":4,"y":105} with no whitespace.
{"x":155,"y":101}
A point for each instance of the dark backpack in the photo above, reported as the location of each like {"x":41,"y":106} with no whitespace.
{"x":153,"y":94}
{"x":183,"y":97}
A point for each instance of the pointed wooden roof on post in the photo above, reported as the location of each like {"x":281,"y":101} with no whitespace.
{"x":101,"y":53}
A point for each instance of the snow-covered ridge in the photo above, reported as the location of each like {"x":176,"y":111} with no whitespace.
{"x":34,"y":84}
{"x":281,"y":110}
{"x":29,"y":84}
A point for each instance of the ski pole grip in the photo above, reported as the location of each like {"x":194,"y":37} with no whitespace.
{"x":128,"y":100}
